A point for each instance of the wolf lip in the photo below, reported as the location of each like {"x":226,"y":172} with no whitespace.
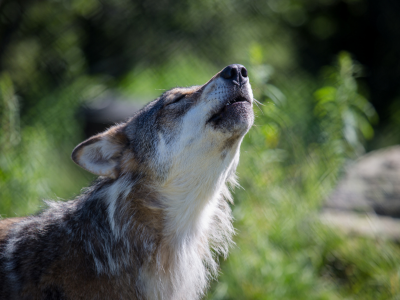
{"x":237,"y":99}
{"x":233,"y":101}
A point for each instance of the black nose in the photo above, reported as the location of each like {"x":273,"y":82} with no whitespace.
{"x":236,"y":73}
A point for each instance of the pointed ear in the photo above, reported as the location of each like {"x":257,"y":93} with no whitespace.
{"x":101,"y":153}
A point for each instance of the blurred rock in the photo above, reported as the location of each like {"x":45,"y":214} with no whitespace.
{"x":367,"y":199}
{"x":371,"y":184}
{"x":366,"y":224}
{"x":102,"y":113}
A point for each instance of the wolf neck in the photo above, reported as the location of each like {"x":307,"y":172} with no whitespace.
{"x":188,"y":202}
{"x":192,"y":199}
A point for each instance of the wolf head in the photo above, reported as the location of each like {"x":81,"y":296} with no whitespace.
{"x":185,"y":130}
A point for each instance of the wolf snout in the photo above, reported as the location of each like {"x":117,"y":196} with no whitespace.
{"x":235,"y":73}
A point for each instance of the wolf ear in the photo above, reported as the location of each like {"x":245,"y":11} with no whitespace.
{"x":101,"y":153}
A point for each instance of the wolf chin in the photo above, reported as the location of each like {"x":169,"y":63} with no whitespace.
{"x":154,"y":223}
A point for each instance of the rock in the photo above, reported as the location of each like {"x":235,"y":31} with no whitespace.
{"x":102,"y":113}
{"x":366,"y":200}
{"x":365,"y":224}
{"x":371,"y":184}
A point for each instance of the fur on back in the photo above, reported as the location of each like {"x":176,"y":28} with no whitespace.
{"x":154,"y":223}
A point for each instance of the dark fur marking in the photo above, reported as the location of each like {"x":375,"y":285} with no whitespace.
{"x":229,"y":144}
{"x":53,"y":293}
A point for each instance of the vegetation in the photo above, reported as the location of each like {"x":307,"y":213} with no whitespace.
{"x":290,"y":162}
{"x":307,"y":126}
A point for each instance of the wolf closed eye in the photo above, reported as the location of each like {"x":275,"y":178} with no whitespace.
{"x":179,"y":98}
{"x":153,"y":223}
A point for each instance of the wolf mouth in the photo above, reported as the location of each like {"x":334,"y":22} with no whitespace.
{"x":229,"y":105}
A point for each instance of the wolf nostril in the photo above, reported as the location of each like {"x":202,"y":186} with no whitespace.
{"x":230,"y":72}
{"x":243,"y":71}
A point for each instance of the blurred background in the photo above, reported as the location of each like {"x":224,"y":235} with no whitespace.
{"x":316,"y":218}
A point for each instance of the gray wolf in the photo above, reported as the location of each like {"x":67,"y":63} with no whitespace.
{"x":153,"y":223}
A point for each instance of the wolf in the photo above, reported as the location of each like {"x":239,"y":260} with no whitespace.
{"x":154,"y":223}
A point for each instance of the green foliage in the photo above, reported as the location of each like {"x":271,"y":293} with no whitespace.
{"x":9,"y":113}
{"x":343,"y":111}
{"x":34,"y":161}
